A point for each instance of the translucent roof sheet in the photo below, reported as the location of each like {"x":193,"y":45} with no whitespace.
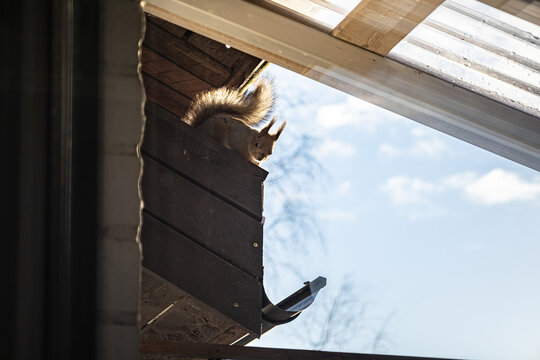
{"x":481,"y":48}
{"x":464,"y":42}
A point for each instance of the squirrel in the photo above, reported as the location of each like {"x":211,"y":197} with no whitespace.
{"x":227,"y":115}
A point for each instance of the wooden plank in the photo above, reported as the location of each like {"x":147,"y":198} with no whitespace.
{"x":217,"y":50}
{"x":378,"y":25}
{"x":242,"y":69}
{"x":188,"y":320}
{"x":502,"y":129}
{"x":531,"y":13}
{"x":165,"y":96}
{"x":181,"y":316}
{"x":304,"y":12}
{"x":185,"y":55}
{"x":171,"y":74}
{"x":204,"y":218}
{"x":170,"y":27}
{"x":524,"y":9}
{"x":229,"y":336}
{"x":157,"y":294}
{"x":202,"y":274}
{"x":172,"y":350}
{"x":204,"y":161}
{"x":495,"y":3}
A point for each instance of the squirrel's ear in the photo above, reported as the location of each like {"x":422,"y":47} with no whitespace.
{"x":280,"y":130}
{"x":266,"y":129}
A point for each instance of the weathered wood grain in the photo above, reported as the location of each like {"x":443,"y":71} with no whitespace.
{"x":165,"y":96}
{"x":242,"y":69}
{"x":170,"y":27}
{"x":171,"y":74}
{"x":187,"y":320}
{"x":203,"y":160}
{"x":202,"y":274}
{"x":185,"y":55}
{"x":157,"y":294}
{"x":208,"y":200}
{"x":217,"y":50}
{"x":213,"y":351}
{"x":229,"y":336}
{"x":204,"y":218}
{"x":528,"y":10}
{"x":378,"y":25}
{"x":181,"y":316}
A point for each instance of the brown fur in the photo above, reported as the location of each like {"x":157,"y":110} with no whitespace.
{"x":251,"y":109}
{"x":227,"y":116}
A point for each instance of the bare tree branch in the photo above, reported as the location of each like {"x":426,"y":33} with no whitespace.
{"x":295,"y":175}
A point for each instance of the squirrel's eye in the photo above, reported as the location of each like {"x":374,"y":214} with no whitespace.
{"x":256,"y":144}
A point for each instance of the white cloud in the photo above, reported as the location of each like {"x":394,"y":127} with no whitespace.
{"x":413,"y":196}
{"x":335,"y":148}
{"x":500,"y":186}
{"x":353,"y":112}
{"x":404,"y":190}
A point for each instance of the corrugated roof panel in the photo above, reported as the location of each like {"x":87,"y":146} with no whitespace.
{"x":464,"y":42}
{"x":481,"y":48}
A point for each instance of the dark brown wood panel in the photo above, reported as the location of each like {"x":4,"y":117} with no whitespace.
{"x":217,"y":50}
{"x":242,"y":69}
{"x":165,"y":96}
{"x":199,"y":215}
{"x":171,"y":74}
{"x":172,"y":350}
{"x":203,"y":202}
{"x":204,"y":160}
{"x":173,"y":29}
{"x":197,"y":271}
{"x":185,"y":55}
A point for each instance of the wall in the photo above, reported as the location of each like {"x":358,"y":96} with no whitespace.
{"x":119,"y":253}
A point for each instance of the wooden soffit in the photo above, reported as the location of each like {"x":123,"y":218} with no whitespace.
{"x":378,"y":25}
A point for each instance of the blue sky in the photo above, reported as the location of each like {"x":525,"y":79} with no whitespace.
{"x":438,"y":236}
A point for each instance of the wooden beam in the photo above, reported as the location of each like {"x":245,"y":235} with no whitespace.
{"x":528,"y":10}
{"x":378,"y":25}
{"x":434,"y":102}
{"x":179,"y":350}
{"x":495,"y":3}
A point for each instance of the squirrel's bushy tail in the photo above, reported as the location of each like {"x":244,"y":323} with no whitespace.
{"x":250,"y":108}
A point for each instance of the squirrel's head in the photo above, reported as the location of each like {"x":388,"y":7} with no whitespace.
{"x":262,"y":144}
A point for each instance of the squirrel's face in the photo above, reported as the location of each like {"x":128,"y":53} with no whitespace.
{"x":262,"y":144}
